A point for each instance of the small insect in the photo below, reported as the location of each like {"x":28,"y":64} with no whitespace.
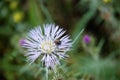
{"x":57,"y":42}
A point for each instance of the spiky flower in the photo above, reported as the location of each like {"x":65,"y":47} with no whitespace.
{"x":51,"y":44}
{"x":87,"y":39}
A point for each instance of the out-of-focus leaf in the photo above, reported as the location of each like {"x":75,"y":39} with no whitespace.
{"x":6,"y":30}
{"x":85,"y":18}
{"x":35,"y":14}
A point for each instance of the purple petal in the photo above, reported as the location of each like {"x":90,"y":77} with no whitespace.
{"x":22,"y":41}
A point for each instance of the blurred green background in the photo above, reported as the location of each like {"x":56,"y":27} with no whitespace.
{"x":99,"y":59}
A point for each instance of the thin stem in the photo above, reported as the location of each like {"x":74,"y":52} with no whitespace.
{"x":78,"y":36}
{"x":46,"y":73}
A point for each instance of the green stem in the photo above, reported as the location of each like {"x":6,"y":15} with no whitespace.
{"x":78,"y":36}
{"x":46,"y":73}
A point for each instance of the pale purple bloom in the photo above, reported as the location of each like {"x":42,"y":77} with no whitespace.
{"x":87,"y":39}
{"x":50,"y":43}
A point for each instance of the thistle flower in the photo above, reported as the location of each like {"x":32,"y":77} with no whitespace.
{"x":50,"y":43}
{"x":87,"y":39}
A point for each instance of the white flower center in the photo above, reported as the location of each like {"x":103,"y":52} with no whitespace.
{"x":48,"y":46}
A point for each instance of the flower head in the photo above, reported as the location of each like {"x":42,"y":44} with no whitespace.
{"x":18,"y":16}
{"x":87,"y":39}
{"x":13,"y":4}
{"x":50,"y":43}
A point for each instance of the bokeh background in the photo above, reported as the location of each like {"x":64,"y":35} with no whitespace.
{"x":95,"y":54}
